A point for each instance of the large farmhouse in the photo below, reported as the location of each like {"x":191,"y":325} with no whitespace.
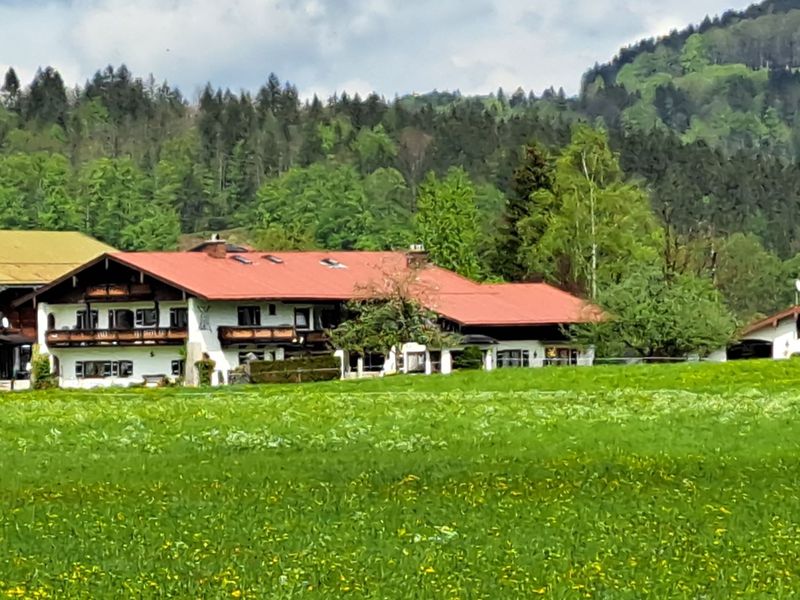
{"x":29,"y":260}
{"x":129,"y":317}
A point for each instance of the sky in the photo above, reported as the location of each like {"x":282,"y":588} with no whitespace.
{"x":326,"y":46}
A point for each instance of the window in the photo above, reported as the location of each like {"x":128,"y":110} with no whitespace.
{"x":513,"y":358}
{"x":146,"y":317}
{"x":86,"y":319}
{"x":561,"y":357}
{"x":272,"y":309}
{"x":178,"y":318}
{"x":302,"y":318}
{"x":245,"y":357}
{"x":100,"y":369}
{"x":249,"y":316}
{"x":120,"y":319}
{"x":178,"y":367}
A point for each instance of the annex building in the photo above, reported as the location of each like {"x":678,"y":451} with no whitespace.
{"x":29,"y":260}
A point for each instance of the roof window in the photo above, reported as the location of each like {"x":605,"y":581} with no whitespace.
{"x":332,"y":263}
{"x":241,"y":259}
{"x":273,"y":259}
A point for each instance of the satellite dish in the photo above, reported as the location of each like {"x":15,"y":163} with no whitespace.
{"x":797,"y":285}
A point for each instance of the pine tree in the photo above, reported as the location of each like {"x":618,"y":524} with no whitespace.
{"x":47,"y":98}
{"x":10,"y":90}
{"x":533,"y":175}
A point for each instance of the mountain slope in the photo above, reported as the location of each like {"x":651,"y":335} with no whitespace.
{"x":732,"y":82}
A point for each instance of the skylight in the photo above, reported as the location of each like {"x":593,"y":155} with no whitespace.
{"x":332,"y":263}
{"x":241,"y":259}
{"x":273,"y":259}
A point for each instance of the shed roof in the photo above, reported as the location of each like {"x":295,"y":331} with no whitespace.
{"x":771,"y":321}
{"x":31,"y":258}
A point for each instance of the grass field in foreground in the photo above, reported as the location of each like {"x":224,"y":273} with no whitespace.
{"x":662,"y":482}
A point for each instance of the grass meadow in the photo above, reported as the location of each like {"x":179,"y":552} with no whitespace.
{"x":613,"y":482}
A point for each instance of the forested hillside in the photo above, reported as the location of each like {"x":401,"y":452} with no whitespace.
{"x":688,"y":154}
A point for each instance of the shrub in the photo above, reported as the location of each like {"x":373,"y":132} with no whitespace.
{"x":470,"y":359}
{"x":205,"y":368}
{"x":295,"y":370}
{"x":41,"y":374}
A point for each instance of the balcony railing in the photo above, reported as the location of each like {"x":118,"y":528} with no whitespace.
{"x":267,"y":335}
{"x":120,"y":337}
{"x":257,"y":335}
{"x":118,"y":291}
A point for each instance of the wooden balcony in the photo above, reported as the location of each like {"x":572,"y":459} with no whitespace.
{"x":118,"y":291}
{"x":116,"y":337}
{"x":257,"y":335}
{"x":316,"y":337}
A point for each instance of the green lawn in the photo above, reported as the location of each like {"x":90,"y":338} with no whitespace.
{"x":614,"y":482}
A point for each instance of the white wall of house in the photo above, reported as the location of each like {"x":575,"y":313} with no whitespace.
{"x":147,"y":361}
{"x":537,"y":352}
{"x":718,"y":356}
{"x":418,"y":357}
{"x":205,"y":319}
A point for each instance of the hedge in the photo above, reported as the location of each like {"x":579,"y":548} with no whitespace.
{"x":295,"y":370}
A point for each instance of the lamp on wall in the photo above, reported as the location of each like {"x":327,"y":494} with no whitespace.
{"x":4,"y":323}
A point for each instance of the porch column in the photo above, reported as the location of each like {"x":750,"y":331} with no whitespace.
{"x":447,"y":362}
{"x":428,"y":363}
{"x":360,"y":367}
{"x":488,"y":362}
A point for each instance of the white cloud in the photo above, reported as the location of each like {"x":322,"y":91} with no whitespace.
{"x":333,"y":45}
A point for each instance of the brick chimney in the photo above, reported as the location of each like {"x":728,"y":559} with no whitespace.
{"x":416,"y":256}
{"x":215,"y":247}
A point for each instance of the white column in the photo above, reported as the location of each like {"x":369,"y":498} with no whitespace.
{"x":390,"y":364}
{"x":41,"y":326}
{"x":488,"y":362}
{"x":428,"y":363}
{"x":360,"y":367}
{"x":447,"y":362}
{"x":342,"y":356}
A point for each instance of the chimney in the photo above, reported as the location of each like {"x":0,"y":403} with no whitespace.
{"x":215,"y":247}
{"x":416,"y":256}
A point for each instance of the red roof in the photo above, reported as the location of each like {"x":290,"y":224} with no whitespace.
{"x":515,"y":303}
{"x":348,"y":275}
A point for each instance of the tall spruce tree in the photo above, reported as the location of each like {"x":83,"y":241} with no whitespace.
{"x":525,"y":203}
{"x":11,"y":90}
